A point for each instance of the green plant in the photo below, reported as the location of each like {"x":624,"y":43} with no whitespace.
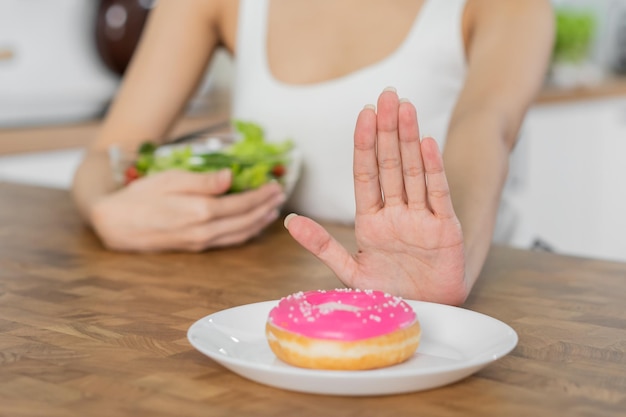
{"x":575,"y":31}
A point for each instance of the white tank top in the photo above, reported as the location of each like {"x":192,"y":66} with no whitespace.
{"x":428,"y":68}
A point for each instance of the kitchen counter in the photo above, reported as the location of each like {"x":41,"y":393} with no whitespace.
{"x":89,"y":332}
{"x":609,"y":88}
{"x":78,"y":135}
{"x":49,"y":155}
{"x":45,"y":138}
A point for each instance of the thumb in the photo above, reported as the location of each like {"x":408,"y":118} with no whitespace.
{"x":314,"y":238}
{"x":207,"y":183}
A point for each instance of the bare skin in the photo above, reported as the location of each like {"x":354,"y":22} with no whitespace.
{"x":432,"y":230}
{"x":410,"y":241}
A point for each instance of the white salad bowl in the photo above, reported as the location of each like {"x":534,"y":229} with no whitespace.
{"x":121,"y":158}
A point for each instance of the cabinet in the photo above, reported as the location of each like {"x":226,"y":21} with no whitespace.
{"x":574,"y":178}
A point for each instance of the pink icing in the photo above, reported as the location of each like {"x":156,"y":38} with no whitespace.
{"x":342,"y":314}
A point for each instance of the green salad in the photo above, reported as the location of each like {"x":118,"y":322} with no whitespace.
{"x":252,"y":159}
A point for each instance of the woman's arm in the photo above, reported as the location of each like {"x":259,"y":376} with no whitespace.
{"x":172,"y":210}
{"x":155,"y":89}
{"x":423,"y":231}
{"x":508,"y":53}
{"x":171,"y":58}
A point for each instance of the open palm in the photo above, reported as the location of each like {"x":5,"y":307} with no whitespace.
{"x":409,"y":240}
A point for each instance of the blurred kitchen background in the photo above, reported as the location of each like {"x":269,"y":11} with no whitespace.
{"x":61,"y":63}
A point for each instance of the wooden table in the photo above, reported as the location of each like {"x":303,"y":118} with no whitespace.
{"x":86,"y":332}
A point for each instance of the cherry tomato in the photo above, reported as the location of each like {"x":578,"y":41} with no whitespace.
{"x":131,"y":174}
{"x":278,"y":171}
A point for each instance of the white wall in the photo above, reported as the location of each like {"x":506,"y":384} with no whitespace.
{"x":53,"y":73}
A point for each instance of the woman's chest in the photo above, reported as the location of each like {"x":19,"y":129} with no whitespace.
{"x":310,"y":42}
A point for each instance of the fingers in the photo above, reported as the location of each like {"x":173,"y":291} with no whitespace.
{"x":438,"y":189}
{"x":314,"y":238}
{"x":176,"y":210}
{"x":179,"y":181}
{"x":410,"y":149}
{"x":365,"y":164}
{"x":194,"y":200}
{"x":185,"y":210}
{"x":389,"y":159}
{"x":189,"y":222}
{"x":232,"y":219}
{"x":198,"y":237}
{"x":227,"y":231}
{"x":392,"y":166}
{"x":269,"y":196}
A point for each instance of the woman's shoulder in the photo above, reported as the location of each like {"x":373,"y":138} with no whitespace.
{"x":508,"y":16}
{"x":219,"y":15}
{"x":479,"y":10}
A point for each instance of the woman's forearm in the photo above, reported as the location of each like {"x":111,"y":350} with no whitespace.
{"x":93,"y":180}
{"x":476,"y":158}
{"x":171,"y":58}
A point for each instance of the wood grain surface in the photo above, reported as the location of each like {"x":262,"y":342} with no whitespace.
{"x":87,"y":332}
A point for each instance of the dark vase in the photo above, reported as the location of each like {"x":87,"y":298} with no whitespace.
{"x":119,"y":24}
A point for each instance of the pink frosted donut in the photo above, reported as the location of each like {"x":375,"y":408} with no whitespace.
{"x":343,"y":329}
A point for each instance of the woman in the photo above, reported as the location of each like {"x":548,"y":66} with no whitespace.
{"x":304,"y":70}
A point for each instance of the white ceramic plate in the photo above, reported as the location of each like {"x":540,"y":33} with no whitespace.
{"x":455,"y":343}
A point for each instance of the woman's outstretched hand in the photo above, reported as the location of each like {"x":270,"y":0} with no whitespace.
{"x":409,"y":239}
